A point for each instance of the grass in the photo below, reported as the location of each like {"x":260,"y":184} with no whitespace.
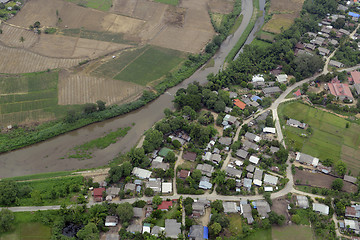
{"x":102,"y":5}
{"x":30,"y":96}
{"x":83,"y":151}
{"x":260,"y":43}
{"x":278,"y":23}
{"x":217,"y":19}
{"x":152,"y":64}
{"x":245,"y":34}
{"x":50,"y":191}
{"x":95,"y":35}
{"x":293,"y":232}
{"x":266,"y":35}
{"x":235,"y":224}
{"x":263,"y":234}
{"x":25,"y":228}
{"x":236,"y":24}
{"x":41,"y":176}
{"x":170,"y":2}
{"x":210,"y":63}
{"x":330,"y":138}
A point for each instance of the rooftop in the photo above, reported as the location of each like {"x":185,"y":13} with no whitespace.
{"x":239,"y":104}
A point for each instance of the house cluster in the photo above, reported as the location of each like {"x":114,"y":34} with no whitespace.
{"x":268,"y":87}
{"x":303,"y":202}
{"x":350,"y":223}
{"x":354,"y":80}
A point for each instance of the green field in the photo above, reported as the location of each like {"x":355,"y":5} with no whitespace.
{"x":52,"y":191}
{"x":171,"y":2}
{"x":103,"y":5}
{"x":29,"y":97}
{"x":260,"y":43}
{"x":293,"y":232}
{"x":330,"y":138}
{"x":95,"y":35}
{"x":142,"y":65}
{"x":263,"y":234}
{"x":25,"y":228}
{"x":235,"y":224}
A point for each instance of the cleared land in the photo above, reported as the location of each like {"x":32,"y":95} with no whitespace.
{"x":15,"y":60}
{"x":80,"y":89}
{"x":11,"y":36}
{"x":221,"y":6}
{"x":320,"y":180}
{"x":141,"y":65}
{"x":293,"y":232}
{"x":330,"y":138}
{"x":284,"y":12}
{"x":29,"y":97}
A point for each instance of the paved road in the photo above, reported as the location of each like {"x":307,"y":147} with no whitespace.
{"x":51,"y":155}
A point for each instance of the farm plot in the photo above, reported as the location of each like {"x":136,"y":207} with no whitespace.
{"x":103,"y":5}
{"x":21,"y":61}
{"x":221,"y":6}
{"x":80,"y":89}
{"x":330,"y":138}
{"x":11,"y":36}
{"x":320,"y":180}
{"x":140,"y":66}
{"x":195,"y":33}
{"x":70,"y":47}
{"x":29,"y":97}
{"x":95,"y":35}
{"x":141,"y":9}
{"x":284,"y":12}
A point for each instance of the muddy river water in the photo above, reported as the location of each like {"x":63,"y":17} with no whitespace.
{"x":50,"y":156}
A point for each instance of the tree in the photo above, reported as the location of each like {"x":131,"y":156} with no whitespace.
{"x":217,"y":205}
{"x":337,"y":184}
{"x":215,"y":229}
{"x":153,"y":140}
{"x":296,"y":219}
{"x":340,"y":168}
{"x":22,"y":39}
{"x":6,"y":220}
{"x":125,"y":212}
{"x":70,"y":116}
{"x":196,"y":175}
{"x":8,"y":192}
{"x":101,"y":105}
{"x":90,"y":108}
{"x":170,"y":157}
{"x":37,"y":24}
{"x":89,"y":232}
{"x":149,"y":192}
{"x":157,"y":200}
{"x":306,"y":65}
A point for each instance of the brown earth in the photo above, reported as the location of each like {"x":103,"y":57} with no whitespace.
{"x":15,"y":60}
{"x":11,"y":36}
{"x":351,"y":157}
{"x":80,"y":89}
{"x":279,"y":206}
{"x":221,"y":6}
{"x":320,"y":180}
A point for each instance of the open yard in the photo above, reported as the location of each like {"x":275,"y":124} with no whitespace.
{"x":280,"y":206}
{"x":235,"y":227}
{"x":262,"y":234}
{"x":25,"y":228}
{"x":320,"y":180}
{"x":140,"y":66}
{"x":330,"y":138}
{"x":293,"y":232}
{"x":283,"y":14}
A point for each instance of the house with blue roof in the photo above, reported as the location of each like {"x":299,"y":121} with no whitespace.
{"x":255,"y":98}
{"x":198,"y":232}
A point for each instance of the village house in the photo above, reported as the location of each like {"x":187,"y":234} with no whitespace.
{"x":295,"y":123}
{"x":198,"y":232}
{"x":165,"y":205}
{"x":98,"y":194}
{"x":166,"y":187}
{"x":262,"y":207}
{"x":350,"y":179}
{"x":258,"y":78}
{"x":138,"y":212}
{"x":252,"y":137}
{"x":247,"y":182}
{"x":352,"y":225}
{"x":112,"y":192}
{"x":233,"y":95}
{"x":307,"y":159}
{"x":302,"y":201}
{"x":111,"y":221}
{"x":245,"y":210}
{"x":133,"y":228}
{"x":269,"y":130}
{"x":249,"y":145}
{"x":321,"y":208}
{"x":282,"y":78}
{"x":205,"y":169}
{"x":205,"y":183}
{"x":233,"y":172}
{"x":352,"y":211}
{"x":258,"y":177}
{"x":241,"y":153}
{"x":230,"y":207}
{"x":354,"y":78}
{"x":239,"y":104}
{"x":336,"y":64}
{"x":156,"y":230}
{"x":225,"y":141}
{"x":160,"y":165}
{"x":141,"y":173}
{"x":254,"y":160}
{"x":183,"y":174}
{"x":340,"y":90}
{"x":271,"y":90}
{"x":129,"y":187}
{"x":154,"y":184}
{"x":323,"y":51}
{"x":172,"y":228}
{"x":216,"y":158}
{"x":270,"y":179}
{"x":250,"y":168}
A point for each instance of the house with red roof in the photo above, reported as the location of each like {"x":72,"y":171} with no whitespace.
{"x":297,"y":93}
{"x":239,"y":104}
{"x":98,"y":194}
{"x":355,"y":77}
{"x":340,"y":90}
{"x":165,"y":205}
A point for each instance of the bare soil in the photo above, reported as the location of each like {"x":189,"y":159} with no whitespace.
{"x":320,"y":180}
{"x":279,"y":206}
{"x":221,"y":6}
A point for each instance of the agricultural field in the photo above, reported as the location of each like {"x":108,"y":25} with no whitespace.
{"x":320,"y":180}
{"x":29,"y":97}
{"x":81,"y":89}
{"x":140,"y":66}
{"x":293,"y":232}
{"x":330,"y":138}
{"x":102,"y":5}
{"x":263,"y":234}
{"x":283,"y":14}
{"x":171,"y":2}
{"x":26,"y":227}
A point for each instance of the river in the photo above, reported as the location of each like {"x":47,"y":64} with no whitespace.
{"x":51,"y":155}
